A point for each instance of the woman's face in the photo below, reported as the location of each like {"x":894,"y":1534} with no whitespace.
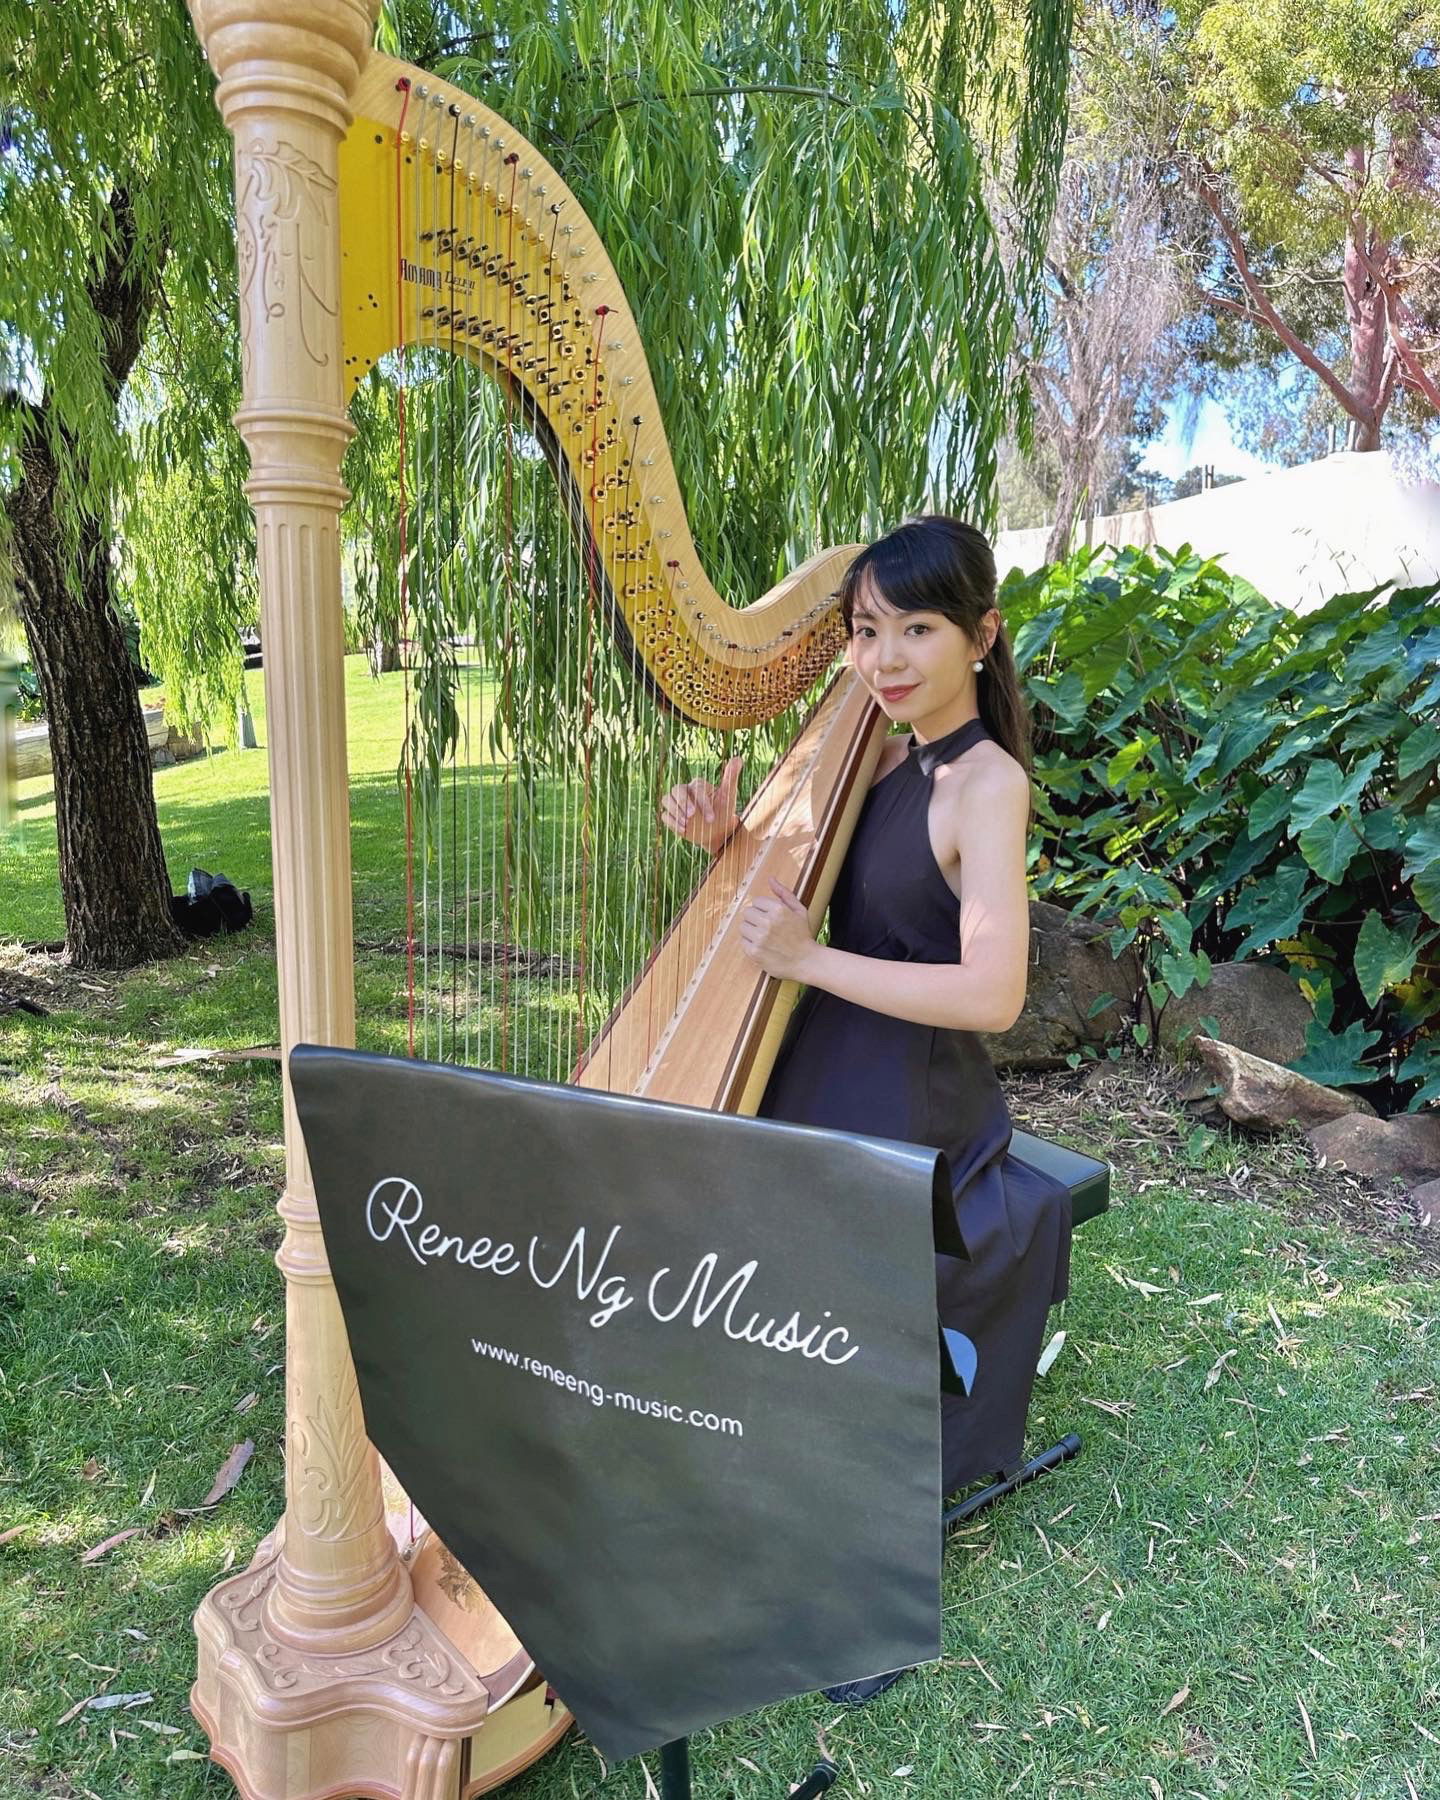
{"x":917,"y":664}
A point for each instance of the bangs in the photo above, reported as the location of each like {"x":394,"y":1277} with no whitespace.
{"x":914,"y":569}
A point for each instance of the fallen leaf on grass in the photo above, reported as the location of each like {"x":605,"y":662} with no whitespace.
{"x":230,"y":1472}
{"x":256,"y":1053}
{"x":155,"y":1725}
{"x":185,"y":1756}
{"x":245,"y":1404}
{"x":1049,"y":1353}
{"x":1217,"y":1367}
{"x":101,"y":1702}
{"x":91,"y":1471}
{"x":134,"y":1631}
{"x":7,"y":1537}
{"x":904,"y":1770}
{"x":1175,"y":1700}
{"x":1309,"y":1733}
{"x":99,"y":1550}
{"x":1140,"y":1287}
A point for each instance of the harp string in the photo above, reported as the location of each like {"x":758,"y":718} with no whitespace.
{"x":532,"y":794}
{"x":403,"y":573}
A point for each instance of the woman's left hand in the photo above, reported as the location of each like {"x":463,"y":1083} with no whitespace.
{"x":776,"y":934}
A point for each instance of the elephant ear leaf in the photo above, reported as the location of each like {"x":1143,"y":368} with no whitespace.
{"x":1422,"y":860}
{"x":1384,"y":957}
{"x":1333,"y":1059}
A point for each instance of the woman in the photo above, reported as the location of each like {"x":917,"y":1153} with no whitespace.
{"x":929,"y":935}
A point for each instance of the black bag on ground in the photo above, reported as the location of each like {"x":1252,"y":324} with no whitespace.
{"x":209,"y":905}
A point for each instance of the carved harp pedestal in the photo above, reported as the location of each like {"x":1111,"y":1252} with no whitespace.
{"x":334,"y":1665}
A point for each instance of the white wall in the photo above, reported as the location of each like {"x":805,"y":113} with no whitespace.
{"x":1349,"y":521}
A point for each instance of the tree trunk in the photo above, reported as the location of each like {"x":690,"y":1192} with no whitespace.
{"x":385,"y":651}
{"x":1365,"y":315}
{"x":1073,"y":485}
{"x":113,"y":879}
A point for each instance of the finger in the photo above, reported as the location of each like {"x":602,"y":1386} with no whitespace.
{"x":730,"y":775}
{"x":787,"y":899}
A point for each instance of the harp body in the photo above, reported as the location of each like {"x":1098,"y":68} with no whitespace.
{"x":373,"y":216}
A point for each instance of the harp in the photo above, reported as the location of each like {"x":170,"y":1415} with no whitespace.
{"x":384,"y":215}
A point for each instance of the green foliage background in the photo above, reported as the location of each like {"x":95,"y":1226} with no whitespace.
{"x":1225,"y":780}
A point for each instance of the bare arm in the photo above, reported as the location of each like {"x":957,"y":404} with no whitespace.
{"x":985,"y":991}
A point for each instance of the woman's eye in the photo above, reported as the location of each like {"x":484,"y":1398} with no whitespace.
{"x":919,"y":628}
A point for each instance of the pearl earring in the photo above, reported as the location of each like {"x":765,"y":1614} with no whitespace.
{"x":977,"y":667}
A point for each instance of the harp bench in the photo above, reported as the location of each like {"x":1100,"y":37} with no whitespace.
{"x":1087,"y":1180}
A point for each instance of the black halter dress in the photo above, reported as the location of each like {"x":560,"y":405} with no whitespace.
{"x":846,"y":1068}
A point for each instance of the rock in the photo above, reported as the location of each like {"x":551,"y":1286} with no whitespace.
{"x":1070,"y":968}
{"x":1255,"y":1006}
{"x":1426,"y":1201}
{"x":1407,"y":1145}
{"x":1260,"y":1093}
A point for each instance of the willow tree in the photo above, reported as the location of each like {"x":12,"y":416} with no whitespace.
{"x":112,"y":172}
{"x":792,"y":193}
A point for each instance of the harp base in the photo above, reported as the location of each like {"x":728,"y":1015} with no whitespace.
{"x":407,"y":1719}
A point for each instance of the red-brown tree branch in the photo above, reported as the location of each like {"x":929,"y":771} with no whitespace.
{"x":1412,"y":371}
{"x":1265,"y":306}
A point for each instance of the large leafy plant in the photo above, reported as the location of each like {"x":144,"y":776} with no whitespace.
{"x":1223,"y":780}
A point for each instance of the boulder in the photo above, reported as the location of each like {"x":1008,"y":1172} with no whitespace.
{"x":1261,"y":1094}
{"x":1407,"y":1145}
{"x":1254,"y":1005}
{"x":1426,"y":1201}
{"x":1070,"y":968}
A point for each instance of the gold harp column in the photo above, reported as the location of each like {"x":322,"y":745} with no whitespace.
{"x":317,"y":1675}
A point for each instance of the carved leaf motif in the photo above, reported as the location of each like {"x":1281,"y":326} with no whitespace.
{"x":285,"y":206}
{"x":243,"y":1604}
{"x":333,"y":1459}
{"x":455,"y":1581}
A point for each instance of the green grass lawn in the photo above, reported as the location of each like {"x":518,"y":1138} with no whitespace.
{"x":1232,"y":1593}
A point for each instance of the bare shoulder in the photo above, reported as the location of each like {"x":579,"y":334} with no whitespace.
{"x":986,"y":776}
{"x":985,"y":803}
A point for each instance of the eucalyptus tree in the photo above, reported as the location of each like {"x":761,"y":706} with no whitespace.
{"x":113,"y":177}
{"x":1306,"y":134}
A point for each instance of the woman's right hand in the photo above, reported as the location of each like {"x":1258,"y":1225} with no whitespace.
{"x":703,"y":812}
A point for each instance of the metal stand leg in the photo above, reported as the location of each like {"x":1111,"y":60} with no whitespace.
{"x":675,"y":1774}
{"x":1038,"y":1465}
{"x":675,"y":1770}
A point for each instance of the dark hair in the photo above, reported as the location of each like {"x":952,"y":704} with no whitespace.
{"x":942,"y":565}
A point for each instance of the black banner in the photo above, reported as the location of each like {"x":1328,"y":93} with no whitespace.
{"x":665,"y":1381}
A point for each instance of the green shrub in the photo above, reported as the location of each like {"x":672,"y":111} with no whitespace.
{"x":25,"y":685}
{"x":1223,"y":780}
